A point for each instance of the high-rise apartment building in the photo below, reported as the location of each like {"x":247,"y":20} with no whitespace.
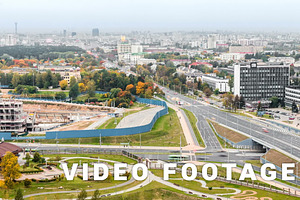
{"x":95,"y":32}
{"x":12,"y":117}
{"x":260,"y":82}
{"x":212,"y":42}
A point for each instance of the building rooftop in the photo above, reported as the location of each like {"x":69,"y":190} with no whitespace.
{"x":8,"y":147}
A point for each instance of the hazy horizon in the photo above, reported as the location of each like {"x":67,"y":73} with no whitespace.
{"x":156,"y":16}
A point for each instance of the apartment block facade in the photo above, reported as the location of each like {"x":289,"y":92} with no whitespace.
{"x":292,"y":94}
{"x":260,"y":82}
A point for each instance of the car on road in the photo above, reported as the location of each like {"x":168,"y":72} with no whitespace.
{"x":265,"y":130}
{"x":276,"y":117}
{"x":291,"y":118}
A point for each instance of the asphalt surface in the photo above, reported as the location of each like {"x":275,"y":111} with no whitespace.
{"x":287,"y":143}
{"x":140,"y":118}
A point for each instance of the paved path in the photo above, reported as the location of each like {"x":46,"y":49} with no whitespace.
{"x":186,"y":190}
{"x":203,"y":184}
{"x":140,"y":118}
{"x":184,"y":125}
{"x":97,"y":123}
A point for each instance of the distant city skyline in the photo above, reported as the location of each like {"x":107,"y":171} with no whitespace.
{"x":156,"y":15}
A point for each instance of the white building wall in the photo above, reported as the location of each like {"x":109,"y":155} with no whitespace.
{"x":237,"y":81}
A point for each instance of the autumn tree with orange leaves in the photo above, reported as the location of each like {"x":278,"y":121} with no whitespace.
{"x":140,"y":88}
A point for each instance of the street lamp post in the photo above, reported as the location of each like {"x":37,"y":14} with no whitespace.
{"x":297,"y":173}
{"x":100,"y":142}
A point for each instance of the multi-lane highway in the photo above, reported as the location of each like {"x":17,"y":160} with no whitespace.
{"x":287,"y":143}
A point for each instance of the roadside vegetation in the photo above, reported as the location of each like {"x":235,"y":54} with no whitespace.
{"x":165,"y":132}
{"x":193,"y":122}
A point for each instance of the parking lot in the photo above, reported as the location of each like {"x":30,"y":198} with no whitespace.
{"x":283,"y":115}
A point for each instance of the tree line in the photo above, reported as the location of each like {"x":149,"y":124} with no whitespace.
{"x":38,"y":52}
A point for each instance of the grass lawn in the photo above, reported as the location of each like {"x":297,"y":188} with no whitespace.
{"x":118,"y":158}
{"x":28,"y":169}
{"x":155,"y":190}
{"x":194,"y":185}
{"x":165,"y":132}
{"x":193,"y":121}
{"x":162,"y":97}
{"x":84,"y":97}
{"x":254,"y":162}
{"x":78,"y":160}
{"x":75,"y":184}
{"x":215,"y":183}
{"x":221,"y":141}
{"x":74,"y":195}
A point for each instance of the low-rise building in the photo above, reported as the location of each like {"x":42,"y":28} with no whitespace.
{"x":292,"y":94}
{"x":216,"y":83}
{"x":246,"y":49}
{"x":8,"y":147}
{"x":66,"y":72}
{"x":285,"y":60}
{"x":201,"y":63}
{"x":232,"y":56}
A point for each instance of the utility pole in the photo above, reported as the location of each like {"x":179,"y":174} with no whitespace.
{"x":140,"y":141}
{"x":100,"y":140}
{"x":180,"y":149}
{"x":297,"y":173}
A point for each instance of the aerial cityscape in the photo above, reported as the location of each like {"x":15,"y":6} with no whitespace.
{"x":143,"y":100}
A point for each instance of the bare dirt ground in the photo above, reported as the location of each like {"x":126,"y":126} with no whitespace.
{"x":81,"y":125}
{"x":278,"y":158}
{"x":228,"y":133}
{"x":60,"y":107}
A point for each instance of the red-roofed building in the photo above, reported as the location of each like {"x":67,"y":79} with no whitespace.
{"x":201,"y":63}
{"x":8,"y":147}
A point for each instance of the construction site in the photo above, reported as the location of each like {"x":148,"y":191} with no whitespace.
{"x":20,"y":117}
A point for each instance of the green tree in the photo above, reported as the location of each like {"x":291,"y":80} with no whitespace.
{"x":207,"y":91}
{"x":242,"y":102}
{"x":39,"y":81}
{"x":27,"y":183}
{"x":27,"y":158}
{"x":60,"y":95}
{"x":231,"y":83}
{"x":259,"y":108}
{"x":216,"y":91}
{"x":15,"y":80}
{"x":74,"y":91}
{"x":96,"y":195}
{"x":36,"y":157}
{"x":114,"y":92}
{"x":19,"y":195}
{"x":91,"y":88}
{"x":72,"y":81}
{"x":236,"y":102}
{"x":294,"y":107}
{"x":274,"y":102}
{"x":82,"y":195}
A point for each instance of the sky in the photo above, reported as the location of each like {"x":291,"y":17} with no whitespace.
{"x":149,"y":15}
